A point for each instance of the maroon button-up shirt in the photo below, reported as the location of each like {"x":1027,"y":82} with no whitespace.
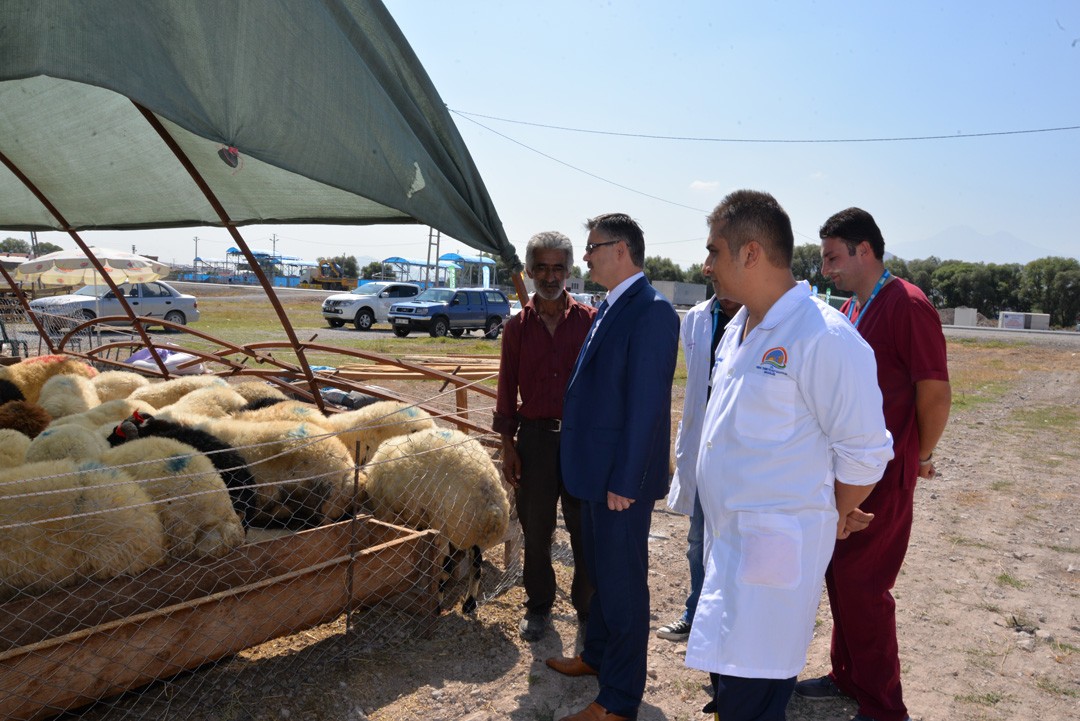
{"x":537,"y":365}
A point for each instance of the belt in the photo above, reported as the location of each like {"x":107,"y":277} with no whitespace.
{"x":552,"y":425}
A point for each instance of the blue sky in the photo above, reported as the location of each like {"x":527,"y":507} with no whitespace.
{"x":761,"y":70}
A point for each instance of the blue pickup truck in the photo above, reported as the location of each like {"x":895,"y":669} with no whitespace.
{"x":451,"y":310}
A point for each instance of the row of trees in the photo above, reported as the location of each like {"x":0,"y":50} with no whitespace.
{"x":15,"y":245}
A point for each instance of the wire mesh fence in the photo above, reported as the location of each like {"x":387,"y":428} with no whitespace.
{"x":185,"y":548}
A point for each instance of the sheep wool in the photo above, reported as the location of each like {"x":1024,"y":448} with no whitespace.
{"x":113,"y":385}
{"x":371,"y":425}
{"x":190,"y":496}
{"x":30,"y":374}
{"x":295,"y":411}
{"x":257,"y":390}
{"x":168,"y":392}
{"x":13,"y":445}
{"x":72,"y":441}
{"x":63,"y":522}
{"x":25,"y":417}
{"x":109,"y":412}
{"x":67,"y":395}
{"x":303,"y":476}
{"x":443,"y":479}
{"x":214,"y":401}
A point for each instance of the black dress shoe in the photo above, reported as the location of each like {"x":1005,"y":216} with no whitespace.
{"x":532,"y":627}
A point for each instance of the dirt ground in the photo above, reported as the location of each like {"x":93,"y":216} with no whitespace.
{"x":988,"y":603}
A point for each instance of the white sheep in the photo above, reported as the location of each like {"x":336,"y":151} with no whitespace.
{"x":303,"y":476}
{"x":295,"y":411}
{"x":191,"y":499}
{"x":67,"y":395}
{"x":73,"y":441}
{"x":212,"y":401}
{"x":443,"y":479}
{"x":168,"y":392}
{"x":111,"y":385}
{"x":13,"y":445}
{"x":257,"y":390}
{"x":371,"y":425}
{"x":62,"y":522}
{"x":113,"y":412}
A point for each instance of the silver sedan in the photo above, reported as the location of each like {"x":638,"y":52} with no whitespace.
{"x":148,"y":300}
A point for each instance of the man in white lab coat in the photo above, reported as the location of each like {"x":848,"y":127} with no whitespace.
{"x":793,"y":439}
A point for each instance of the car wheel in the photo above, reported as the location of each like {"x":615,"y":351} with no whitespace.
{"x":175,"y":316}
{"x":457,"y":332}
{"x":493,"y":327}
{"x":439,"y":327}
{"x":335,"y":322}
{"x":87,"y":314}
{"x":401,"y":332}
{"x":364,"y":319}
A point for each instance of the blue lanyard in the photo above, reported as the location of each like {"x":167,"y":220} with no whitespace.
{"x":873,"y":294}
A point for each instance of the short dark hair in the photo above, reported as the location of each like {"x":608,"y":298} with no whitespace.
{"x":754,"y":215}
{"x":853,"y":226}
{"x":620,"y":226}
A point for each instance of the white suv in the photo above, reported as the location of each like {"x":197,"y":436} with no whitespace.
{"x":366,"y":304}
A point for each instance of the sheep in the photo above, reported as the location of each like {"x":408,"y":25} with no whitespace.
{"x":371,"y":425}
{"x":230,"y":465}
{"x":27,"y":418}
{"x":113,"y":385}
{"x":168,"y":392}
{"x":255,"y":390}
{"x":73,"y":441}
{"x":62,"y":522}
{"x":13,"y":445}
{"x":213,"y":401}
{"x":10,"y":392}
{"x":191,"y":499}
{"x":303,"y":477}
{"x":443,"y":479}
{"x":29,"y":375}
{"x":109,"y":412}
{"x":67,"y":395}
{"x":281,"y":410}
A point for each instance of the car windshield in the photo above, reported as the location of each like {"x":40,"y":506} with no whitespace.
{"x":438,"y":295}
{"x":368,"y":289}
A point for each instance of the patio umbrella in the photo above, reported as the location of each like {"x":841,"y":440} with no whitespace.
{"x":72,"y":267}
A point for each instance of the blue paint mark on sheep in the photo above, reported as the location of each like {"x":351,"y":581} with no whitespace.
{"x":177,"y":463}
{"x":300,"y":431}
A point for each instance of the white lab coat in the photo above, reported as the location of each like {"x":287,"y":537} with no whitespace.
{"x":696,"y":337}
{"x":793,"y":406}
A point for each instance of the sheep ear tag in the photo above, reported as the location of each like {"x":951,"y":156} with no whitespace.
{"x":119,"y":431}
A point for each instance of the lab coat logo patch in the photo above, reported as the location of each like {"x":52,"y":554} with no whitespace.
{"x":775,"y":357}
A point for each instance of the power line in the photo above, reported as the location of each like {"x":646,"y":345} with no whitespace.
{"x":580,"y":170}
{"x":647,"y":136}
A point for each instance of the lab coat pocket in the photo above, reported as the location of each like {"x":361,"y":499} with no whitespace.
{"x":771,"y":550}
{"x":766,"y":408}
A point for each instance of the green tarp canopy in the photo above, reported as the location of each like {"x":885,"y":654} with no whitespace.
{"x":321,"y":106}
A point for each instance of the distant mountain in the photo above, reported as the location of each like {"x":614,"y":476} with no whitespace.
{"x":964,"y":243}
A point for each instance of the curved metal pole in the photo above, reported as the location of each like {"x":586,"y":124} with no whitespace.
{"x":242,"y":244}
{"x":86,"y":250}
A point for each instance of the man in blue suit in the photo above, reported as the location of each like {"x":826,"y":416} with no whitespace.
{"x":616,"y":436}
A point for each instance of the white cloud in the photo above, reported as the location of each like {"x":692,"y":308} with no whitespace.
{"x":700,"y":185}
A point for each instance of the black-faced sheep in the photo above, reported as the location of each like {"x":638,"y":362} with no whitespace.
{"x":62,"y":522}
{"x":229,"y":464}
{"x":442,"y":479}
{"x":190,"y":497}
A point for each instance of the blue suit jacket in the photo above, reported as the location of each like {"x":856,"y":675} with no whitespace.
{"x":616,"y":428}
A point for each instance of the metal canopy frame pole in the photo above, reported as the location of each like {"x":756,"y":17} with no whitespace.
{"x":242,"y":244}
{"x":89,"y":255}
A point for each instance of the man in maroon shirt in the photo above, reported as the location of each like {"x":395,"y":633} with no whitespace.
{"x":895,"y":318}
{"x":540,"y":345}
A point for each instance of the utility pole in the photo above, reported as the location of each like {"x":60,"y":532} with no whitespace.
{"x":195,"y":261}
{"x":273,"y":242}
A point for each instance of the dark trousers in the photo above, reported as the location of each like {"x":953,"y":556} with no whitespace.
{"x":751,"y":699}
{"x":617,"y":638}
{"x":865,"y":661}
{"x":539,"y":493}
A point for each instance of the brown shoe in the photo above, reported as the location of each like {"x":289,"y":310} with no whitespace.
{"x":571,"y":667}
{"x":594,"y":712}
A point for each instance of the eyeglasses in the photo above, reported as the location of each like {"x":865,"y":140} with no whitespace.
{"x":593,"y":246}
